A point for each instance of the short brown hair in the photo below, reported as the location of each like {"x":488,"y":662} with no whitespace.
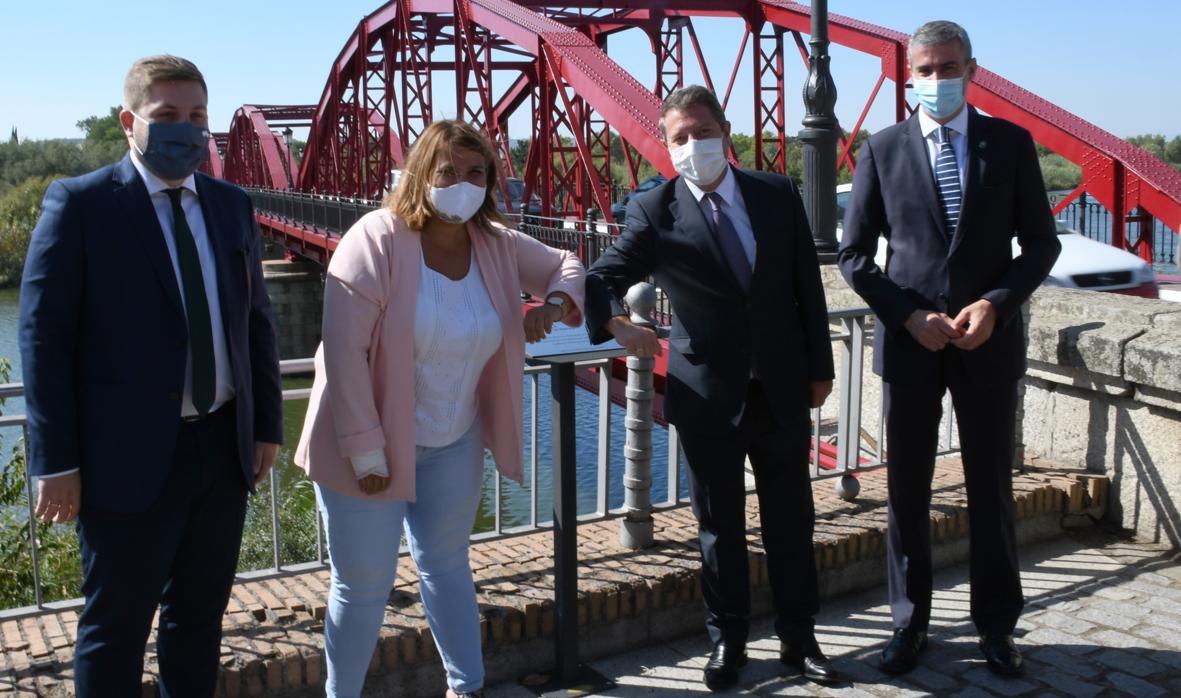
{"x":411,"y":199}
{"x":686,"y":97}
{"x":162,"y":68}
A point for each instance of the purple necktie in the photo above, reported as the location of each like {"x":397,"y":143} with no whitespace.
{"x":731,"y":246}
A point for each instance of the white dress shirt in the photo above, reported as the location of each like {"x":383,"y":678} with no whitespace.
{"x":224,"y":390}
{"x":733,"y":206}
{"x":958,"y":128}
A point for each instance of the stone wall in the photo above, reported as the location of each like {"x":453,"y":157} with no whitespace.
{"x":1103,"y":391}
{"x":297,"y":296}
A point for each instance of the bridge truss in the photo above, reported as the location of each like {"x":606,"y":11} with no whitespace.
{"x":500,"y":56}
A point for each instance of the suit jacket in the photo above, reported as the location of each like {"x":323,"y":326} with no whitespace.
{"x":895,"y":196}
{"x":720,"y":334}
{"x":104,"y":338}
{"x":363,"y":396}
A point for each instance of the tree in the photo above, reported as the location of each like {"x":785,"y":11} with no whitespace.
{"x":103,"y":131}
{"x":1173,"y":152}
{"x":13,"y":139}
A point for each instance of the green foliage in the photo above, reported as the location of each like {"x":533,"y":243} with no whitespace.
{"x":19,"y":210}
{"x":57,"y":546}
{"x":1173,"y":152}
{"x":103,"y":131}
{"x":1058,"y":172}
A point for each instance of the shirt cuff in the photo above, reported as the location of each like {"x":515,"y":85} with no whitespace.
{"x":64,"y":472}
{"x":370,"y":463}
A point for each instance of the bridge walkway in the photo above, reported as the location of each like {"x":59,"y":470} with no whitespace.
{"x":1103,"y":617}
{"x":628,"y":600}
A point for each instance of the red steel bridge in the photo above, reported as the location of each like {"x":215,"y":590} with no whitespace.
{"x":501,"y":56}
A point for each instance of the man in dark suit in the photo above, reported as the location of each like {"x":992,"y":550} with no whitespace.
{"x":749,"y":353}
{"x":152,"y":384}
{"x":948,"y":189}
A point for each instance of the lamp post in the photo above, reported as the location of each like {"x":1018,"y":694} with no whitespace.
{"x":820,"y":136}
{"x":287,"y":162}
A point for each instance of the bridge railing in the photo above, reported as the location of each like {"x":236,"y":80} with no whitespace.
{"x":333,"y":216}
{"x":1092,"y":219}
{"x":848,"y":438}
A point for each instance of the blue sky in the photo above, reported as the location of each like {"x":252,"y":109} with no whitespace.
{"x":62,"y":61}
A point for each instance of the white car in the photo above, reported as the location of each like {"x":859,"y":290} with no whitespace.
{"x":1083,"y":263}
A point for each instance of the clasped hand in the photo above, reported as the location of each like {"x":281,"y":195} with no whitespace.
{"x":967,"y":330}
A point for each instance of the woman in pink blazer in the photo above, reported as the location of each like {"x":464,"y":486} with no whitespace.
{"x":419,"y":371}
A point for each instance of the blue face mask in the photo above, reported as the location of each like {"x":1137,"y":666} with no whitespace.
{"x":174,"y":150}
{"x":941,"y":98}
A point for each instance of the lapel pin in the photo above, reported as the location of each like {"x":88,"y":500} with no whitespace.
{"x":982,"y":145}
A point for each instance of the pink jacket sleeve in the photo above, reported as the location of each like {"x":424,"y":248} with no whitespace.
{"x":355,"y":295}
{"x":544,"y":270}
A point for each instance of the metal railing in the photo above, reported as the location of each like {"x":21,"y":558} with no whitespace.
{"x":1090,"y":218}
{"x":841,"y":449}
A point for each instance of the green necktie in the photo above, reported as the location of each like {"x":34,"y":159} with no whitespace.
{"x":197,"y":305}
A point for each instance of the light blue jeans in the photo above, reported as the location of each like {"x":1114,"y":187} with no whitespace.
{"x":363,"y":540}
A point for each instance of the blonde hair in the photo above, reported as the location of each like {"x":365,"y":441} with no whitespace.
{"x":411,"y":199}
{"x":151,"y":69}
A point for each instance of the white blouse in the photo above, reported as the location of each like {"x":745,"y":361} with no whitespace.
{"x":456,"y":331}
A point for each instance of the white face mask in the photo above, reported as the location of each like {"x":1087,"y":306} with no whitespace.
{"x":701,"y":162}
{"x":458,"y":202}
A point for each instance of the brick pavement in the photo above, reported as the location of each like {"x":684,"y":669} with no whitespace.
{"x":273,"y":628}
{"x":1102,"y":618}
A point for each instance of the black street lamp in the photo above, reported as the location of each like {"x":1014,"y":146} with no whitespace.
{"x":287,"y":162}
{"x":820,"y":136}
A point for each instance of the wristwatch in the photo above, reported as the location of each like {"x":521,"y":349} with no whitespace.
{"x":557,"y":301}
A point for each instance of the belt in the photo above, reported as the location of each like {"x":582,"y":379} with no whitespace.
{"x":194,"y":418}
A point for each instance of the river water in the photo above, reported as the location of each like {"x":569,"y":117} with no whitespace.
{"x":515,"y":499}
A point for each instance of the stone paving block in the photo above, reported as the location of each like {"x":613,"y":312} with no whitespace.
{"x":1064,"y":663}
{"x":1070,"y":644}
{"x":1114,"y":638}
{"x":972,"y":692}
{"x":1128,"y":661}
{"x":1066,"y":684}
{"x":1134,"y":686}
{"x":1004,"y":686}
{"x":1099,"y":616}
{"x":1067,"y":623}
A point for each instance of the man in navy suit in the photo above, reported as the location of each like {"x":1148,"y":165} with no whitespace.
{"x":749,"y":353}
{"x":152,"y":384}
{"x":949,"y":188}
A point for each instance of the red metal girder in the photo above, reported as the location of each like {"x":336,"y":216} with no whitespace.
{"x":770,"y":113}
{"x":709,"y":83}
{"x":610,"y":90}
{"x":668,"y":42}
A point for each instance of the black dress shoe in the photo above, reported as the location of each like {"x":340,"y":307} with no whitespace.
{"x":807,"y":659}
{"x":1002,"y":655}
{"x":902,"y":652}
{"x":721,"y":671}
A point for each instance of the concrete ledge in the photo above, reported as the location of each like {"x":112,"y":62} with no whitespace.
{"x":274,"y":627}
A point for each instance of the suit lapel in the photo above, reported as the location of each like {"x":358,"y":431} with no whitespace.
{"x":977,"y":141}
{"x":917,"y":149}
{"x":688,"y":219}
{"x":137,"y":204}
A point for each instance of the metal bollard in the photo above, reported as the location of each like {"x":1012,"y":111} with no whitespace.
{"x":635,"y":529}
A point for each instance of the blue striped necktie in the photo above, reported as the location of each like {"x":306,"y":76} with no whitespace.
{"x":947,"y":176}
